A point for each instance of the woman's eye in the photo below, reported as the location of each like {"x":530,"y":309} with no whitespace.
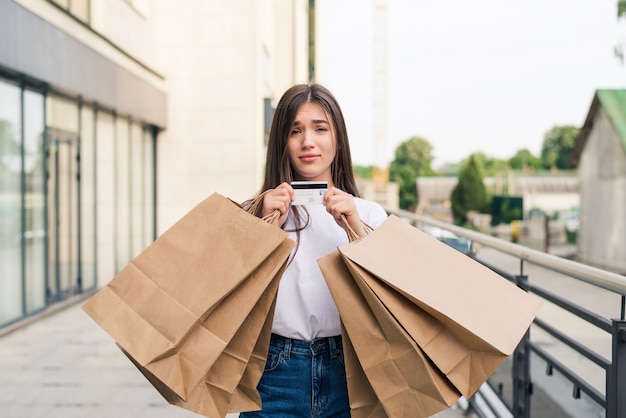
{"x":295,"y":131}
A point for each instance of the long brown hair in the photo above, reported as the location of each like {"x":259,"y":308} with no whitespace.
{"x":278,"y":168}
{"x":277,"y":165}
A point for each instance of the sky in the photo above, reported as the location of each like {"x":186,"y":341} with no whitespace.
{"x":490,"y":76}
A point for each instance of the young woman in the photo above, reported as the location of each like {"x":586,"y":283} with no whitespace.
{"x":305,"y":375}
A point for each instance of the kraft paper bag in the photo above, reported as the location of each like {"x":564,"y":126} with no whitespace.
{"x":388,"y":374}
{"x":171,"y":309}
{"x":466,"y":318}
{"x":363,"y":400}
{"x":230,"y":384}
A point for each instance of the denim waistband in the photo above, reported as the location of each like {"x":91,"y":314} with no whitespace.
{"x":316,"y":346}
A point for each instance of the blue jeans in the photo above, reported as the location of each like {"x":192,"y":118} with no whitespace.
{"x":303,"y":379}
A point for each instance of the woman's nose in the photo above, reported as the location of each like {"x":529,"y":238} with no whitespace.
{"x":307,"y":140}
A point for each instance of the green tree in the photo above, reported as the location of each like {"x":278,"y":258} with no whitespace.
{"x":524,"y":158}
{"x":361,"y":171}
{"x":558,"y":144}
{"x":618,"y":50}
{"x":489,"y":166}
{"x":413,"y":158}
{"x":470,"y":192}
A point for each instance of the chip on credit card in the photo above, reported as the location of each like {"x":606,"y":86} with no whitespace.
{"x":309,"y":192}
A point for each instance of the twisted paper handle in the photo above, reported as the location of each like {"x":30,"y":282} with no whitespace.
{"x":353,"y":236}
{"x":257,"y":202}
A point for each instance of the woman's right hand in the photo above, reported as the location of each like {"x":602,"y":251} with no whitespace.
{"x":279,"y":199}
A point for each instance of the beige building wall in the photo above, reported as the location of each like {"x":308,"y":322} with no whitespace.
{"x":217,"y":61}
{"x":220,"y":61}
{"x":131,"y":46}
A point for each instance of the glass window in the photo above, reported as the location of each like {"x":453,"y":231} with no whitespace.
{"x":122,"y":193}
{"x":148,"y":185}
{"x":105,"y":195}
{"x":35,"y":201}
{"x":62,"y":188}
{"x":88,"y":198}
{"x":10,"y":204}
{"x":136,"y":195}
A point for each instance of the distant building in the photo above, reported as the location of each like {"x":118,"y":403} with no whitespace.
{"x":548,"y":193}
{"x":385,"y":193}
{"x":600,"y":157}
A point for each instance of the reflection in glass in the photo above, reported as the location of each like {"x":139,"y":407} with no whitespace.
{"x":136,"y":183}
{"x":34,"y":175}
{"x":122,"y":193}
{"x":148,"y":186}
{"x":88,"y":198}
{"x":63,"y":214}
{"x":10,"y":204}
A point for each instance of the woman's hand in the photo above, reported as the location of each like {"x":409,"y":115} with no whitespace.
{"x":338,"y":202}
{"x":279,"y":199}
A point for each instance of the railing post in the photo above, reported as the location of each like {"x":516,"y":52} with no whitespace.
{"x":616,"y":379}
{"x":522,"y":386}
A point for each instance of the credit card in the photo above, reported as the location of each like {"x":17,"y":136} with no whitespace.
{"x":309,"y":192}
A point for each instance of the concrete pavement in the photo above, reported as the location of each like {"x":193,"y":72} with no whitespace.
{"x":65,"y":366}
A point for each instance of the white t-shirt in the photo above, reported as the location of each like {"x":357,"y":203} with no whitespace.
{"x":305,"y":310}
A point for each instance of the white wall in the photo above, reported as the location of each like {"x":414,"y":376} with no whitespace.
{"x":220,"y":60}
{"x":602,"y":172}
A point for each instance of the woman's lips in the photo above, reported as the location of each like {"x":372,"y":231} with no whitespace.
{"x":309,"y":158}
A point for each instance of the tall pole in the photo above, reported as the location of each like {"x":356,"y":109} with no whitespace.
{"x":379,"y":100}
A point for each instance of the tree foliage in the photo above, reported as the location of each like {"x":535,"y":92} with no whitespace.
{"x":361,"y":171}
{"x":470,"y":192}
{"x":490,"y":166}
{"x":558,"y":144}
{"x":618,"y":50}
{"x":524,"y":159}
{"x":413,"y":158}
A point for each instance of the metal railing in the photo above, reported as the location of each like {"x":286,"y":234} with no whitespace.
{"x":490,"y":400}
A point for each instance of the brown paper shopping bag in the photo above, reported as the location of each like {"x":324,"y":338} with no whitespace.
{"x":230,"y":384}
{"x":466,"y":318}
{"x":388,"y":374}
{"x":176,"y":308}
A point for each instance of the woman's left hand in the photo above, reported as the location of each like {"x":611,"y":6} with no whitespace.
{"x":338,"y":202}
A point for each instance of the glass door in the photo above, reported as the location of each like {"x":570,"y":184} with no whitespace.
{"x":63,"y":215}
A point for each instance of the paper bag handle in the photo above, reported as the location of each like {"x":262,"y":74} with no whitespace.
{"x":255,"y":204}
{"x":353,"y":236}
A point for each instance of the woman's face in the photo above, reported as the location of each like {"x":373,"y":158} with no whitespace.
{"x":311,"y":144}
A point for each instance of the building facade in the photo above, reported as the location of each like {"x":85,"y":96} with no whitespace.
{"x":117,"y":117}
{"x":548,"y":193}
{"x":600,"y":157}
